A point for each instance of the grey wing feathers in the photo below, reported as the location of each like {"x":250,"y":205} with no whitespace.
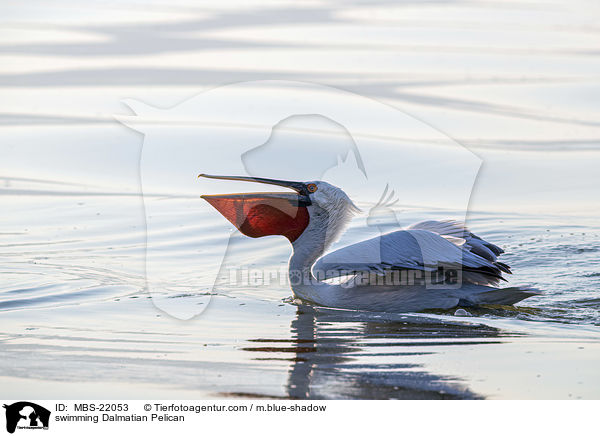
{"x":459,"y":230}
{"x":473,"y":243}
{"x":424,"y":246}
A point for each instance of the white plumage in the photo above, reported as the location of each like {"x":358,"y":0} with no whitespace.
{"x":426,"y":246}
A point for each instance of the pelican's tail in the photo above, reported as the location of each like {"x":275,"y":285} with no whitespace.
{"x":506,"y":296}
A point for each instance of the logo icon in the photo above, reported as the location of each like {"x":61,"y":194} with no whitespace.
{"x":26,"y":415}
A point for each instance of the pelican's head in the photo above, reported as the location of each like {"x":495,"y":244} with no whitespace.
{"x":257,"y":214}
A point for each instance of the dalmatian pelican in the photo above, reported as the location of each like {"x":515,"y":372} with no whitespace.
{"x":429,"y":265}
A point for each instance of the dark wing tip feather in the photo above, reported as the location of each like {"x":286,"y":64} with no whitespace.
{"x":504,"y":267}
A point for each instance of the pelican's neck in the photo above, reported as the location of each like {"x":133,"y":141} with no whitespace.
{"x":304,"y":284}
{"x":318,"y":236}
{"x":306,"y":251}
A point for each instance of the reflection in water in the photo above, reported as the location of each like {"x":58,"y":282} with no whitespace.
{"x":344,"y":354}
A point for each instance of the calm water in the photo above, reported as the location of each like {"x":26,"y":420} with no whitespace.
{"x":514,"y":82}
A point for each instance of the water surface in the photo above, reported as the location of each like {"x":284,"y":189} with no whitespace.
{"x":514,"y":82}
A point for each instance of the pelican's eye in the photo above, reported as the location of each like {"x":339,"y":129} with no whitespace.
{"x":311,"y":187}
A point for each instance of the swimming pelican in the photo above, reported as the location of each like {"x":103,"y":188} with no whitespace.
{"x":377,"y":269}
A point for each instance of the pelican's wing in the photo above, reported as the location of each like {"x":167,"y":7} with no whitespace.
{"x":457,"y":232}
{"x":416,"y":249}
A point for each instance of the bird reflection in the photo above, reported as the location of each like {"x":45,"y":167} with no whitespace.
{"x":338,"y":354}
